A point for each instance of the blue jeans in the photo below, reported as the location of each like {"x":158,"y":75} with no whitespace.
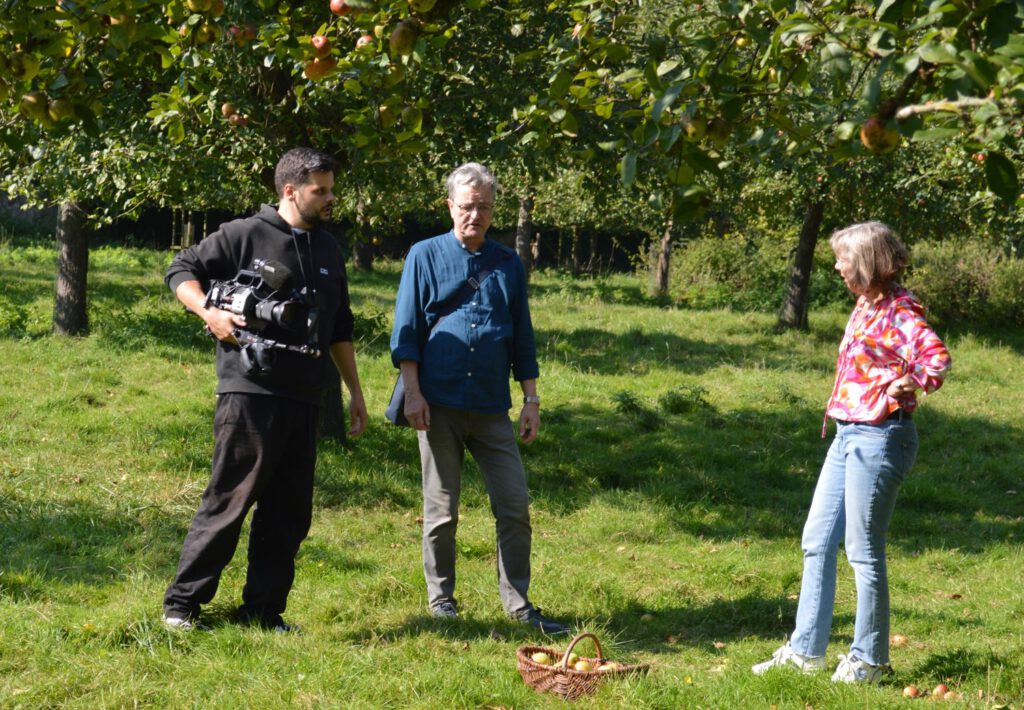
{"x":855,"y":497}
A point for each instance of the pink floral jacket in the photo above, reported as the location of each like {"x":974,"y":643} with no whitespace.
{"x":884,"y":341}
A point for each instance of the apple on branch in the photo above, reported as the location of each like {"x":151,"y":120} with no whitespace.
{"x":321,"y":45}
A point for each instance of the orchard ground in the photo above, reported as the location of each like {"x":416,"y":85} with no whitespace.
{"x":677,"y":457}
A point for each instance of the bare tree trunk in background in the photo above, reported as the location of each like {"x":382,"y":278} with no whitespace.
{"x":661,"y":271}
{"x":524,"y":228}
{"x":362,"y":255}
{"x":188,"y":234}
{"x":362,"y":244}
{"x":793,"y":314}
{"x":69,"y":309}
{"x":577,"y":258}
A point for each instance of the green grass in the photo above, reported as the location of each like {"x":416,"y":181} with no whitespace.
{"x":677,"y":456}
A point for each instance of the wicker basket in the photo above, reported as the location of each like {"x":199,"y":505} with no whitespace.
{"x":567,"y":682}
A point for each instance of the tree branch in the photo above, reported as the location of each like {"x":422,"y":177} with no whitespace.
{"x":952,"y":106}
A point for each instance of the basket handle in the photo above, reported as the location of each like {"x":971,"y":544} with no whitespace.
{"x":572,"y":644}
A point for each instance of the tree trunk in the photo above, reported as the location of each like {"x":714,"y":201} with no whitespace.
{"x":69,"y":310}
{"x":661,"y":271}
{"x":793,"y":314}
{"x":188,"y":233}
{"x":362,"y":245}
{"x":577,"y":258}
{"x":524,"y":228}
{"x":362,"y":255}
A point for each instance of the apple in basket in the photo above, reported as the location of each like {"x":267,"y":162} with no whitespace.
{"x":541,"y":658}
{"x":609,"y":666}
{"x":572,"y":660}
{"x":582,"y":665}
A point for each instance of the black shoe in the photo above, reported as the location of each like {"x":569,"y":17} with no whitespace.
{"x":444,"y":610}
{"x":272,"y":622}
{"x":533,"y":617}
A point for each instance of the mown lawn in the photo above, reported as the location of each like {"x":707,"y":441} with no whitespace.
{"x":677,"y":457}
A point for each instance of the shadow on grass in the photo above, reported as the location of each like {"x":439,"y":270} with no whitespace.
{"x":593,"y":350}
{"x":722,"y":475}
{"x":76,"y":542}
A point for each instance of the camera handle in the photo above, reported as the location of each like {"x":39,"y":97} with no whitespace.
{"x":246,"y":338}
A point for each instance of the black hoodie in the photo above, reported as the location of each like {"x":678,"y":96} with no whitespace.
{"x":315,"y":262}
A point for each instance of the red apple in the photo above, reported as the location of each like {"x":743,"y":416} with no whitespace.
{"x":319,"y":68}
{"x":227,"y":109}
{"x":237,"y":119}
{"x":898,"y":640}
{"x":321,"y":44}
{"x":939,"y":691}
{"x":364,"y":41}
{"x":911,"y":691}
{"x":340,"y":7}
{"x":877,"y":137}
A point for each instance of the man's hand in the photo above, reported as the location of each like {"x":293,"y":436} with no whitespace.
{"x":222,"y":324}
{"x":529,"y":422}
{"x":357,"y":415}
{"x":417,"y":411}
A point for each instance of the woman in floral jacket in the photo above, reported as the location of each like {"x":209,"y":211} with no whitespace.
{"x":887,"y":355}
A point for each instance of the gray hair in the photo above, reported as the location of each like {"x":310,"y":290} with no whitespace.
{"x":873,"y":250}
{"x":474,"y":175}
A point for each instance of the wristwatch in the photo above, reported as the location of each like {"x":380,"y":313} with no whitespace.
{"x":531,"y":399}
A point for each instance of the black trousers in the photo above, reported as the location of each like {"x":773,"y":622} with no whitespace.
{"x":264,"y":454}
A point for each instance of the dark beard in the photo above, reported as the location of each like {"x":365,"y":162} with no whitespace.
{"x":311,"y":217}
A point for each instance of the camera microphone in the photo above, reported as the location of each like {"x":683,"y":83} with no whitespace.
{"x":275,"y":275}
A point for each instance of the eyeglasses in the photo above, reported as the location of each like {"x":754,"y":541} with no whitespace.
{"x":478,"y":207}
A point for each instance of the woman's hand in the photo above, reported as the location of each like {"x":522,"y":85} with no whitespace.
{"x":902,"y":388}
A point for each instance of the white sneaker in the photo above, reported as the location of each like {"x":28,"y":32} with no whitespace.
{"x":786,"y":656}
{"x":853,"y":670}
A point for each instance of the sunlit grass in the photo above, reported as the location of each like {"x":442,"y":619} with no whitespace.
{"x":677,"y":457}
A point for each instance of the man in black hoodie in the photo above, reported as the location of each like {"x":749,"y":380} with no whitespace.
{"x":265,"y":425}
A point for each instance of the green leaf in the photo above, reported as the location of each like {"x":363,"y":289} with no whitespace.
{"x":176,"y":130}
{"x":836,"y":60}
{"x":979,"y":69}
{"x":665,"y":100}
{"x":935,"y":134}
{"x":668,"y":65}
{"x":936,"y":53}
{"x":560,"y":84}
{"x":627,"y":169}
{"x":682,"y":174}
{"x":1002,"y":177}
{"x":628,"y":75}
{"x":569,"y":125}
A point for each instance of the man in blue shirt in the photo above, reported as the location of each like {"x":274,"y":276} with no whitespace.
{"x":455,"y":369}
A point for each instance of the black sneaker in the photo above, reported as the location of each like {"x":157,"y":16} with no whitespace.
{"x":533,"y":617}
{"x":444,"y":610}
{"x":269,"y":623}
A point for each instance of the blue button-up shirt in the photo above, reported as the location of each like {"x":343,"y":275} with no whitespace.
{"x":465,"y":360}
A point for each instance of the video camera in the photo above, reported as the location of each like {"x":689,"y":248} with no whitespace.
{"x":265,"y":296}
